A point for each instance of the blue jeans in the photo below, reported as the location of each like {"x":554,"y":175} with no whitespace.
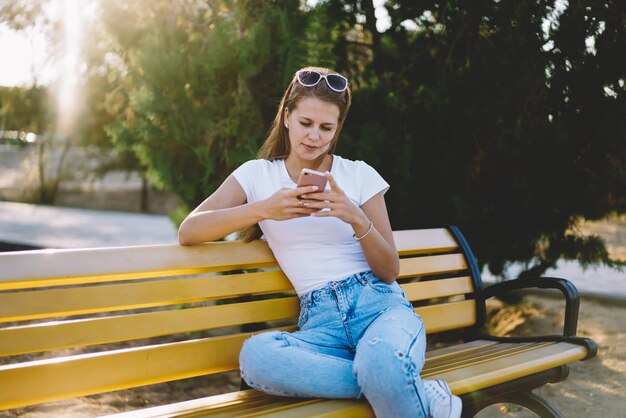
{"x":358,"y":336}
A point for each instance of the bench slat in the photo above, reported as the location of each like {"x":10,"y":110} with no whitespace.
{"x":447,"y":316}
{"x":503,"y":369}
{"x":489,"y":354}
{"x":334,"y":408}
{"x":438,"y":288}
{"x":223,"y":402}
{"x":423,"y":241}
{"x":78,"y":333}
{"x":40,"y":268}
{"x":244,"y":404}
{"x":441,"y":354}
{"x":263,"y":406}
{"x":52,"y":303}
{"x":49,"y":303}
{"x":435,"y":264}
{"x":28,"y":269}
{"x":87,"y":374}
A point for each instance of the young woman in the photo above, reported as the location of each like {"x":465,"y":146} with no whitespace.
{"x":358,"y":334}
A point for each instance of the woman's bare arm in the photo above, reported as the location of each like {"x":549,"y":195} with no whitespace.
{"x":221,"y":214}
{"x":379,"y":246}
{"x":227,"y":211}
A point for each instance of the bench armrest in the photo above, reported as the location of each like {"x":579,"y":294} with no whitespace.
{"x":565,"y":286}
{"x":572,"y":301}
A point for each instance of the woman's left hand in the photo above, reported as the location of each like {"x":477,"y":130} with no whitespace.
{"x":371,"y":219}
{"x":338,"y":202}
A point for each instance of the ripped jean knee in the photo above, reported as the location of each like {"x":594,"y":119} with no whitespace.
{"x":388,"y":363}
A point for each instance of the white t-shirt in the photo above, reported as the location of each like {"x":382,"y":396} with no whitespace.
{"x":312,"y":251}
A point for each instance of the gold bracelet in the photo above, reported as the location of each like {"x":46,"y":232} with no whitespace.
{"x":364,"y":235}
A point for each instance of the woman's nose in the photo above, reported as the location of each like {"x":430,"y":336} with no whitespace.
{"x":314,"y":133}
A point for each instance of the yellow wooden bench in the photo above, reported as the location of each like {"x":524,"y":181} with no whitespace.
{"x":56,"y":302}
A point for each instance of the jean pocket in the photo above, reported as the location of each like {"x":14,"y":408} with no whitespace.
{"x":382,"y":287}
{"x":304,"y":315}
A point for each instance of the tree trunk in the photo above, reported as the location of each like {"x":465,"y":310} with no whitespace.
{"x":370,"y":22}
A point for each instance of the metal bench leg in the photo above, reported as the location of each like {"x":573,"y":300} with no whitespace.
{"x":536,"y":404}
{"x":528,"y":400}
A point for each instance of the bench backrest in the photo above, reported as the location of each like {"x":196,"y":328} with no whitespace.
{"x":126,"y":313}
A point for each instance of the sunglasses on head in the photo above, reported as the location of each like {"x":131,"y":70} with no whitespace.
{"x":310,"y":78}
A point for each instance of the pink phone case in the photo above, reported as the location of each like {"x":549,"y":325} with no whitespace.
{"x":310,"y":177}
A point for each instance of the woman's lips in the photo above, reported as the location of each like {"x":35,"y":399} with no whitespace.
{"x":309,"y":147}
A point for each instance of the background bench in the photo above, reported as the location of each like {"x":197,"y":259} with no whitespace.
{"x":55,"y":300}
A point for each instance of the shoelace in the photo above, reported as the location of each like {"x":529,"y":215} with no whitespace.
{"x":438,"y":390}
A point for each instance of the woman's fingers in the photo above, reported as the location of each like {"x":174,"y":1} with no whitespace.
{"x":285,"y":203}
{"x":301,"y":213}
{"x":299,"y":191}
{"x":310,"y":201}
{"x":333,"y":184}
{"x":315,"y":196}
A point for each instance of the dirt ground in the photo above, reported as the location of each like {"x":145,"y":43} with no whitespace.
{"x":595,"y":388}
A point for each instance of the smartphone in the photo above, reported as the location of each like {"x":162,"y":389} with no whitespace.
{"x":310,"y":177}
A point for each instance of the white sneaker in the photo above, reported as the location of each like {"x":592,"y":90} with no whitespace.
{"x":443,"y":404}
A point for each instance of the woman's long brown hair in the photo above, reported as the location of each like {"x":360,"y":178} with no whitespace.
{"x":277,"y":145}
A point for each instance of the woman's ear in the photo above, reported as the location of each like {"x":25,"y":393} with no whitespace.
{"x":286,"y":117}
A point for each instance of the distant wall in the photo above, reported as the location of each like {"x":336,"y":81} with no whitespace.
{"x":80,"y":186}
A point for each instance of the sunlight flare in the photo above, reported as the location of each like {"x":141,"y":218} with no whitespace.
{"x":67,"y":88}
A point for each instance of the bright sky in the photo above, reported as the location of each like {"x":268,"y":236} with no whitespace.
{"x":25,"y":58}
{"x":25,"y":55}
{"x":22,"y":55}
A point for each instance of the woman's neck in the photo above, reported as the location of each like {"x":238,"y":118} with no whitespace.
{"x":294,"y":166}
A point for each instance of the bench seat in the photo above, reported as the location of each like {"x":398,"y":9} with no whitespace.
{"x":466,"y":367}
{"x":82,"y":322}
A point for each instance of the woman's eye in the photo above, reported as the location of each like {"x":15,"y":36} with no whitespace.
{"x":326,"y":128}
{"x":306,"y":124}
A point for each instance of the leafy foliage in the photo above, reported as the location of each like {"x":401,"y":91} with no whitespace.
{"x":20,"y":14}
{"x":23,"y":109}
{"x":477,"y":117}
{"x":503,"y":117}
{"x":199,"y":84}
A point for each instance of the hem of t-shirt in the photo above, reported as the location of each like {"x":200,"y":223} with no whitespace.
{"x":340,"y":278}
{"x":382,"y":190}
{"x":244,"y":188}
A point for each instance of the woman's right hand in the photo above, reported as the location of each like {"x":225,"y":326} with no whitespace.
{"x":227,"y":211}
{"x":284,"y":204}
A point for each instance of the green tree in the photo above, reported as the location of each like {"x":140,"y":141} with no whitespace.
{"x":198,"y":84}
{"x":503,"y":117}
{"x":30,"y":108}
{"x":23,"y":109}
{"x":479,"y":117}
